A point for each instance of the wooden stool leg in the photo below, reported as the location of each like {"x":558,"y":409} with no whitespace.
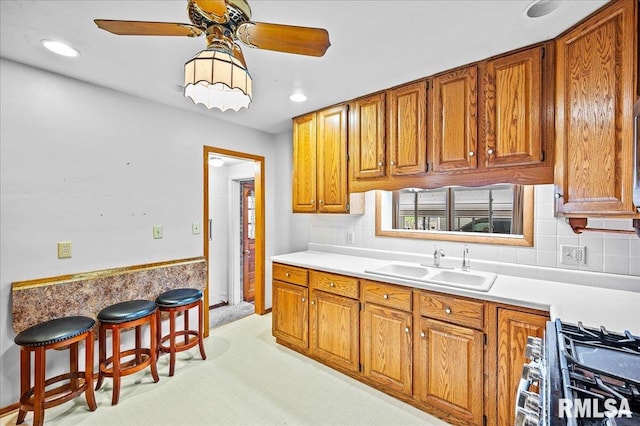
{"x":155,"y":318}
{"x":158,"y":333}
{"x":200,"y":339}
{"x":138,"y":344}
{"x":38,"y":389}
{"x":25,"y":379}
{"x":172,"y":342}
{"x":115,"y":340}
{"x":88,"y":372}
{"x":102,"y":353}
{"x":186,"y":325}
{"x":73,"y":365}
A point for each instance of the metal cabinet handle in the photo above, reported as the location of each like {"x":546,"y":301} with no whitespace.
{"x":471,"y":153}
{"x":321,"y":202}
{"x":332,"y":285}
{"x":422,"y":334}
{"x":304,"y":299}
{"x":490,"y":151}
{"x":447,"y":310}
{"x":247,"y":252}
{"x":406,"y":329}
{"x":385,"y":296}
{"x":312,"y":201}
{"x":380,"y":163}
{"x":313,"y":302}
{"x":287,"y":274}
{"x":393,"y":162}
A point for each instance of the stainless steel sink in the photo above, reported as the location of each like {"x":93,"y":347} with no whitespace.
{"x":473,"y":280}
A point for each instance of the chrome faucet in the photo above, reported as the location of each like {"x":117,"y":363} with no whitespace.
{"x":466,"y":265}
{"x":437,"y":254}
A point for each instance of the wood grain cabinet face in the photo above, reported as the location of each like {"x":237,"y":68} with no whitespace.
{"x":407,"y":127}
{"x":595,"y":92}
{"x":304,"y":164}
{"x":386,"y":347}
{"x":320,"y":162}
{"x":514,"y":328}
{"x":513,"y":109}
{"x":454,"y":120}
{"x":334,"y":324}
{"x":367,"y":137}
{"x":290,"y":316}
{"x":449,"y":369}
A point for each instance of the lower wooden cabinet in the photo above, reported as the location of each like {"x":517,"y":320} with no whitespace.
{"x":458,"y":358}
{"x":334,"y":329}
{"x":290,"y":314}
{"x":449,"y":369}
{"x":386,"y":347}
{"x":513,"y":329}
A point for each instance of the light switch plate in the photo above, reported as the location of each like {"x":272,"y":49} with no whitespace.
{"x":195,"y":228}
{"x":157,"y":232}
{"x":573,"y":255}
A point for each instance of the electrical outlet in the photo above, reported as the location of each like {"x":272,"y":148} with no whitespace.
{"x":157,"y":232}
{"x":350,"y":237}
{"x":64,"y":249}
{"x":195,"y":228}
{"x":573,"y":255}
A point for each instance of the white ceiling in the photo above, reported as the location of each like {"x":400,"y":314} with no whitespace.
{"x":375,"y":44}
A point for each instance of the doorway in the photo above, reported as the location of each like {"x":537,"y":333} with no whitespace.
{"x":233,"y":225}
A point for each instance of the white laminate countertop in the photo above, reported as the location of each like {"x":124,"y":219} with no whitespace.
{"x":596,"y":299}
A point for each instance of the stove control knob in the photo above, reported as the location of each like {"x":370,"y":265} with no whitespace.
{"x":526,"y":418}
{"x":534,"y":348}
{"x":531,"y":372}
{"x":530,"y":401}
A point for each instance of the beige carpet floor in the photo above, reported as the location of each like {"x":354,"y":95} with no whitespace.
{"x":247,"y":379}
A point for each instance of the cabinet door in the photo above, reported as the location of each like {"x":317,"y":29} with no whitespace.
{"x":594,"y":105}
{"x":290,"y":317}
{"x":449,"y":369}
{"x":334,"y":329}
{"x":454,"y":120}
{"x":332,"y":160}
{"x":513,"y":121}
{"x":513,"y":329}
{"x":304,"y":164}
{"x":407,"y":107}
{"x":367,"y":137}
{"x":386,"y":347}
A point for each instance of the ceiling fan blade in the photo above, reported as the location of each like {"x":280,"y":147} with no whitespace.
{"x":215,"y":9}
{"x":148,"y":28}
{"x":284,"y":38}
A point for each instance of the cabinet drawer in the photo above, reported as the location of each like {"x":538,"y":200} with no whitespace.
{"x":452,"y":309}
{"x":290,"y":274}
{"x":389,"y":295}
{"x":336,"y":284}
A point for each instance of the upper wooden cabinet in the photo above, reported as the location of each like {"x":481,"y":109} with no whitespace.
{"x":320,"y":162}
{"x":514,"y":109}
{"x":595,"y":93}
{"x":407,"y":129}
{"x":454,"y":120}
{"x":367,"y":141}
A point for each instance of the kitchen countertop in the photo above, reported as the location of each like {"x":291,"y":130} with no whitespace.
{"x":596,"y":299}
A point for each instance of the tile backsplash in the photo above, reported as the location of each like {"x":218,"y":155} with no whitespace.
{"x":605,"y":252}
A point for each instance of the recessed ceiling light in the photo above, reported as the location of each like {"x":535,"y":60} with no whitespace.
{"x":541,"y":8}
{"x":298,"y":97}
{"x":216,"y":161}
{"x":60,"y":48}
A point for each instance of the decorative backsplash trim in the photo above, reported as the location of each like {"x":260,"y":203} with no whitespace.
{"x":39,"y":282}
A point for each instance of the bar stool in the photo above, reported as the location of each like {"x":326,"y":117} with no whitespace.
{"x":54,"y":334}
{"x":174,"y":302}
{"x":134,"y":313}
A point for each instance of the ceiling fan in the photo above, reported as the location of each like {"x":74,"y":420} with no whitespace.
{"x":225,"y":23}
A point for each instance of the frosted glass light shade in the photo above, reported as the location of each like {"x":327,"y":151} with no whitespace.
{"x":216,"y":79}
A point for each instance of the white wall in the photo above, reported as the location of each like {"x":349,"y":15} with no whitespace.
{"x":99,"y":168}
{"x":613,"y":253}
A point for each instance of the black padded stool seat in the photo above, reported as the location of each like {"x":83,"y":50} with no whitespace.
{"x":133,"y":313}
{"x":174,"y":302}
{"x":54,"y":334}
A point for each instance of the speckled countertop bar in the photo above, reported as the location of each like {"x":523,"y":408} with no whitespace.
{"x":86,"y":294}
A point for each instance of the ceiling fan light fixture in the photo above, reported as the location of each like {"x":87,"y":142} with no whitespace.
{"x":217,"y":79}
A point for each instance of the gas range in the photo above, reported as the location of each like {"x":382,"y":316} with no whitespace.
{"x":580,"y":376}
